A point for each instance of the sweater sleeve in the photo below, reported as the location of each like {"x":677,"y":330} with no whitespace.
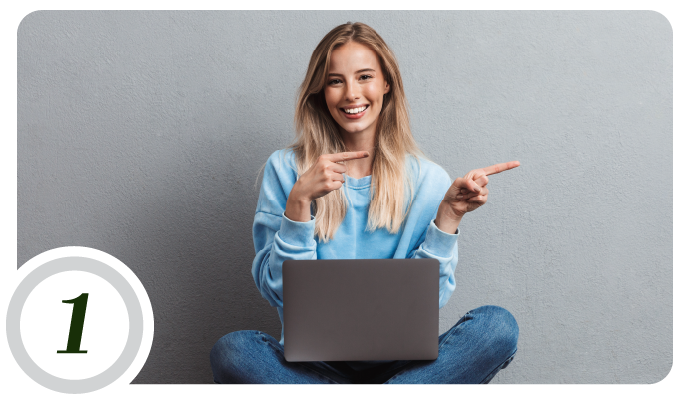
{"x":443,"y":247}
{"x":435,"y":243}
{"x":276,"y":237}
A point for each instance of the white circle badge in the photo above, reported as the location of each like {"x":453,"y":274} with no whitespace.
{"x":106,"y":314}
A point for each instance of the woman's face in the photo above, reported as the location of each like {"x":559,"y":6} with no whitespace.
{"x":354,"y":89}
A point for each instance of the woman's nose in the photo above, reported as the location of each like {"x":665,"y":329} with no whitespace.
{"x":352,"y":91}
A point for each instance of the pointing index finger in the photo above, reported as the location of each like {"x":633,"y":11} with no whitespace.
{"x":349,"y":155}
{"x":497,"y":168}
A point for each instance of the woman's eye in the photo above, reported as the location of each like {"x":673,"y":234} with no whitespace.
{"x":333,"y":82}
{"x":365,"y":76}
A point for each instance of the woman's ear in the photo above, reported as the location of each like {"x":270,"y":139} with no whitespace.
{"x":386,"y":87}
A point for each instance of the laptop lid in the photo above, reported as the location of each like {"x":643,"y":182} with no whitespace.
{"x":355,"y":310}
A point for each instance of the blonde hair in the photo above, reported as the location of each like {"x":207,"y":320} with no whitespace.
{"x":317,"y":133}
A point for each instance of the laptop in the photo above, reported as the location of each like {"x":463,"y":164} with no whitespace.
{"x":361,"y":310}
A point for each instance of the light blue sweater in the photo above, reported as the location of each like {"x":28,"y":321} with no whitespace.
{"x":277,"y":238}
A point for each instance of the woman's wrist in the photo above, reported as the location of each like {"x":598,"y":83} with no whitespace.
{"x":298,"y":208}
{"x":446,"y":220}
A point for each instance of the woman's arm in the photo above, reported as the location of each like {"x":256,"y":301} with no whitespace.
{"x":431,"y":241}
{"x":276,"y":237}
{"x":443,"y":247}
{"x":464,"y":195}
{"x":284,"y":228}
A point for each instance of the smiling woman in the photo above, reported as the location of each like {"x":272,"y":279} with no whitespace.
{"x":353,"y":93}
{"x":352,"y":67}
{"x":353,"y":132}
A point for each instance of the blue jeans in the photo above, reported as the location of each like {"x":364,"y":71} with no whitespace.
{"x":482,"y":343}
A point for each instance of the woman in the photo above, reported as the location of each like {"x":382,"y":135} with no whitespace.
{"x":355,"y":186}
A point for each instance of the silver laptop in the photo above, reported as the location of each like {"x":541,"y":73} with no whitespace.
{"x":356,"y":310}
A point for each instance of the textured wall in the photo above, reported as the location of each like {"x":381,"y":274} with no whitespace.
{"x":141,"y":134}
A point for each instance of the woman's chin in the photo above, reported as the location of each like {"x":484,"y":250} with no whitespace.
{"x":355,"y":130}
{"x":354,"y":127}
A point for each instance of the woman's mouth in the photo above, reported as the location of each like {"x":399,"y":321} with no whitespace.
{"x":355,"y":113}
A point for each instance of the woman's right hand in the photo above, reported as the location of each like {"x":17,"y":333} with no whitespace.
{"x":323,"y":177}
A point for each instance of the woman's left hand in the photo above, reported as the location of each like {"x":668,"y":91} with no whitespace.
{"x":466,"y":194}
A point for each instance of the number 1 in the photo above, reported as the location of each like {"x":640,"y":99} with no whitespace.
{"x":73,"y":345}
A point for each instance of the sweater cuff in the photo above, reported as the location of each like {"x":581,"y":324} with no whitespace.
{"x":297,"y":233}
{"x":438,"y":242}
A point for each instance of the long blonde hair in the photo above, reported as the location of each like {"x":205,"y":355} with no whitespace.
{"x":317,"y":133}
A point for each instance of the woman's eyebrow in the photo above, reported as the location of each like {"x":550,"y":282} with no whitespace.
{"x":357,"y":72}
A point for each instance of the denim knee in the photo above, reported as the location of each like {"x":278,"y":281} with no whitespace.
{"x":503,"y":327}
{"x":222,"y":348}
{"x":229,"y":344}
{"x":226,"y":353}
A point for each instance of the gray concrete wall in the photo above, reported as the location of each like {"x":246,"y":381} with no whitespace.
{"x":141,"y":134}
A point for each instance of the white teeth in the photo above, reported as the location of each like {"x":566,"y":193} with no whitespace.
{"x":356,"y":110}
